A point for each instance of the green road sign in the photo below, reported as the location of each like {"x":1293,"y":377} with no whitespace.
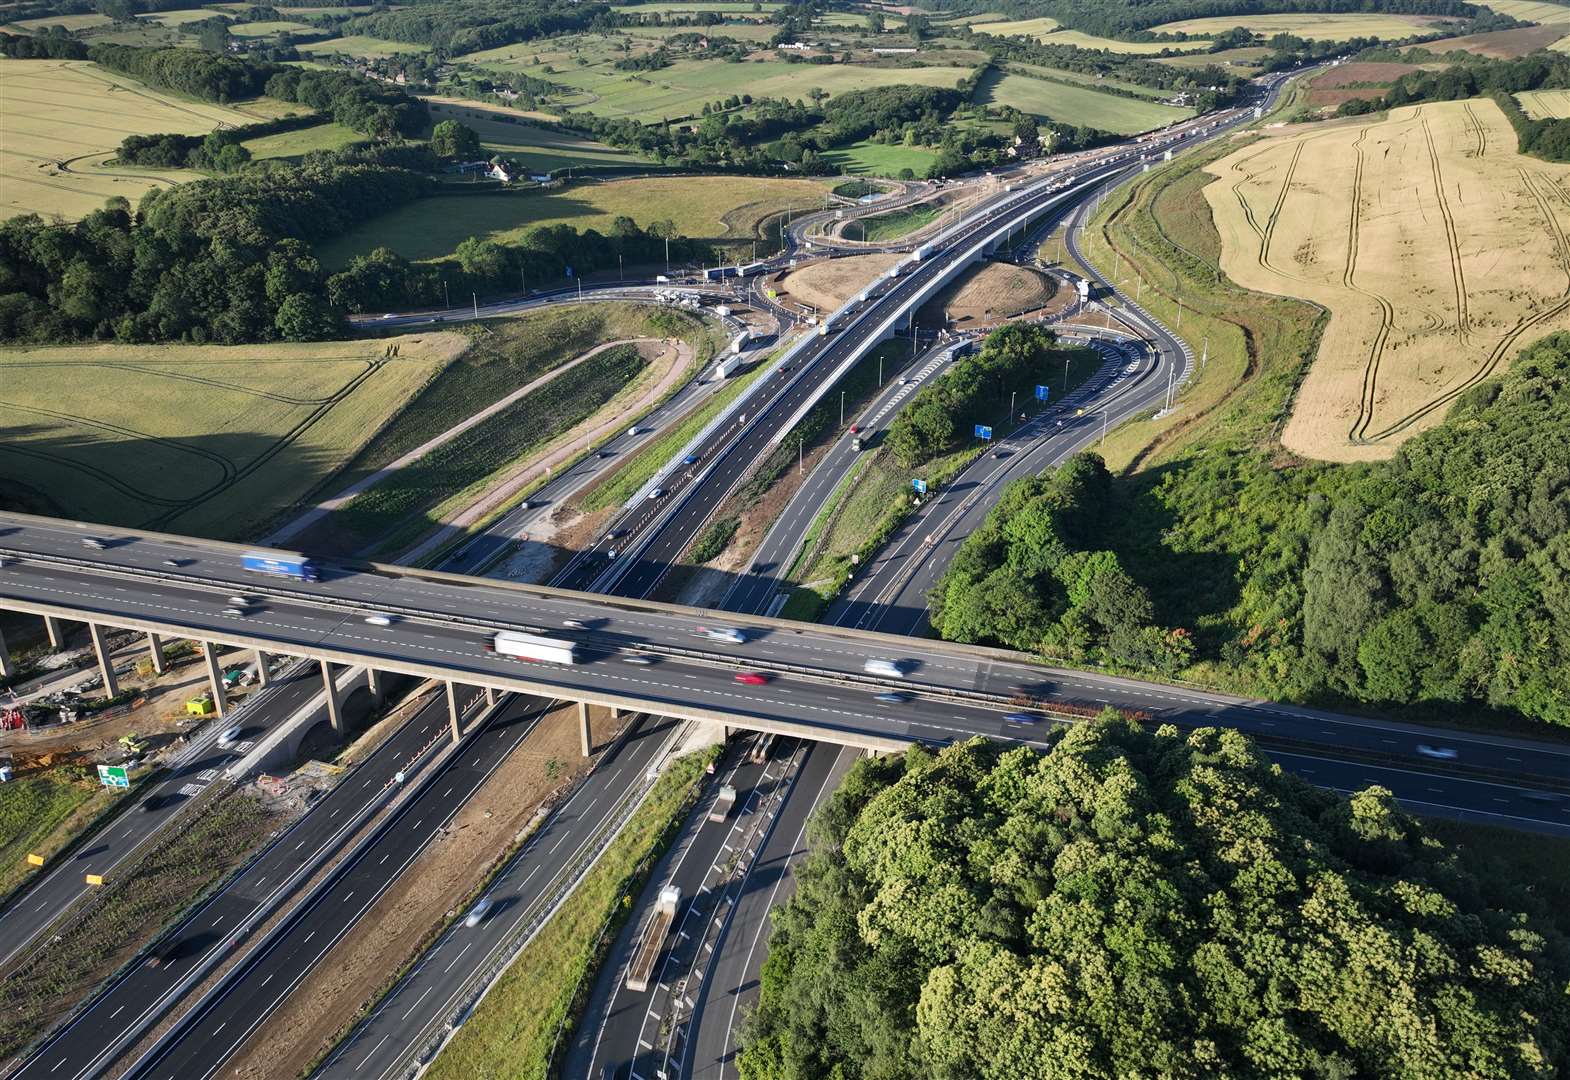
{"x":113,"y":776}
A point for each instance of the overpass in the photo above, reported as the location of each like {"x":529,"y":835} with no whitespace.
{"x":817,"y":689}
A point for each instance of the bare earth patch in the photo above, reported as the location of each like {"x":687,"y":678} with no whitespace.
{"x":995,"y":291}
{"x":1439,"y":250}
{"x":408,"y":915}
{"x":828,"y":284}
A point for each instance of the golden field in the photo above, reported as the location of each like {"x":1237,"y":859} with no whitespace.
{"x":1437,"y":248}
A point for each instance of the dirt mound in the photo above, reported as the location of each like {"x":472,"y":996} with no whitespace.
{"x":828,"y":284}
{"x":995,"y":291}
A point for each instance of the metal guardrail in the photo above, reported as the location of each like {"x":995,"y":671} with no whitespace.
{"x":438,"y":1031}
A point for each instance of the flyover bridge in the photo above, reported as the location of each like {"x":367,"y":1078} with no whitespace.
{"x":441,"y":623}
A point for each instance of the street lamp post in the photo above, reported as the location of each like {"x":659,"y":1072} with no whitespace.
{"x":446,"y":297}
{"x":476,"y":298}
{"x":842,"y":408}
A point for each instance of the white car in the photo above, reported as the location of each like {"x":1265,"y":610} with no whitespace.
{"x":656,"y":493}
{"x":1440,"y":753}
{"x":379,"y":620}
{"x":574,"y":624}
{"x":234,"y":612}
{"x":477,"y":913}
{"x":639,"y":659}
{"x":229,"y":737}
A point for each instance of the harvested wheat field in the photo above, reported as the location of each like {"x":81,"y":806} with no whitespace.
{"x":1438,"y":249}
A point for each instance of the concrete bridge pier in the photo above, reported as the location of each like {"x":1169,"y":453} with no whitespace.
{"x":373,"y":683}
{"x":7,"y":665}
{"x":583,"y":728}
{"x":155,"y":651}
{"x":490,"y":696}
{"x":55,"y":631}
{"x":105,"y":664}
{"x":261,"y":669}
{"x":452,"y":710}
{"x":334,"y":701}
{"x":215,"y":677}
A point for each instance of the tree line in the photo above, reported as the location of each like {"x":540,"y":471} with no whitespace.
{"x":1135,"y":903}
{"x":1439,"y":579}
{"x":217,"y":151}
{"x":547,"y":257}
{"x":454,"y":27}
{"x":1547,"y":138}
{"x":226,"y":259}
{"x":369,"y":107}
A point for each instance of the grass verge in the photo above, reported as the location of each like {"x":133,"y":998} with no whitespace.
{"x":636,"y":471}
{"x":1255,"y":347}
{"x":516,"y":1030}
{"x":129,"y":912}
{"x":41,"y":814}
{"x":868,"y":506}
{"x":898,"y":223}
{"x":398,"y":504}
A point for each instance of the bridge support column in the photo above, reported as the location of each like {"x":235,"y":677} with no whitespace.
{"x":155,"y":650}
{"x":105,"y":664}
{"x":583,"y":728}
{"x":56,"y":632}
{"x":373,"y":683}
{"x":261,"y":669}
{"x":7,"y":665}
{"x":334,"y":704}
{"x":215,"y":677}
{"x":452,"y":710}
{"x":490,"y":695}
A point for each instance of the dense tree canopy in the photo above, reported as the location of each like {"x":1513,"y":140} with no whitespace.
{"x":1143,"y":904}
{"x":1441,"y":577}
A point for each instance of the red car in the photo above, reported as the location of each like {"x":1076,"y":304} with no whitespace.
{"x":751,"y":678}
{"x":855,"y":429}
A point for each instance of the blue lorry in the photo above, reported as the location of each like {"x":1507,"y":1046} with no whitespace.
{"x":279,"y":564}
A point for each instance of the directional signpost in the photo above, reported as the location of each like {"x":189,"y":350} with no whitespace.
{"x":920,"y":485}
{"x":1041,"y":393}
{"x":113,"y":776}
{"x":983,"y":432}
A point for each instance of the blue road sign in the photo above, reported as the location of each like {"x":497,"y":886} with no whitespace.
{"x":920,"y":485}
{"x":1041,"y":393}
{"x":983,"y":432}
{"x":569,"y":272}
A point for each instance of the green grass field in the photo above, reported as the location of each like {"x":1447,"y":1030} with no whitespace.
{"x":536,"y":148}
{"x":1050,"y":32}
{"x":69,"y":22}
{"x":583,"y":67}
{"x":512,"y":1032}
{"x":878,"y":159}
{"x":1245,"y":61}
{"x":367,"y":47}
{"x":63,"y":119}
{"x":209,"y":440}
{"x":755,"y":33}
{"x":1076,"y":104}
{"x":1331,"y":27}
{"x":1545,"y":104}
{"x":178,"y":18}
{"x":293,"y":144}
{"x":1085,"y":79}
{"x":704,"y":207}
{"x":272,"y":28}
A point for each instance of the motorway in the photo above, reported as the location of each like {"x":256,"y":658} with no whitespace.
{"x":118,"y":1015}
{"x":197,"y":766}
{"x":817,"y":686}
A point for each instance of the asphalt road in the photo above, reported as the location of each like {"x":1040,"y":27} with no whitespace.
{"x":184,"y":777}
{"x":730,"y":982}
{"x":256,"y":988}
{"x":138,"y":997}
{"x":631,"y":1031}
{"x":382,"y":1045}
